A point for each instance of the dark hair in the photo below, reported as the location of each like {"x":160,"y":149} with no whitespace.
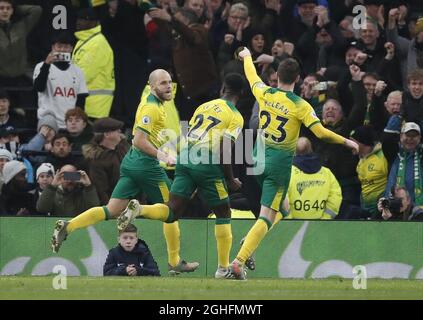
{"x":372,"y":75}
{"x":63,"y":37}
{"x":288,"y":71}
{"x":265,"y":75}
{"x":61,"y":135}
{"x":233,"y":84}
{"x":129,"y":228}
{"x":3,"y":93}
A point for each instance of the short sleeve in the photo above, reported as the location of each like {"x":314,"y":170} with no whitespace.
{"x":235,"y":127}
{"x":147,"y":118}
{"x":259,"y":89}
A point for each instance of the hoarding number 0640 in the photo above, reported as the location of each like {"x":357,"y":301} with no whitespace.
{"x":305,"y":205}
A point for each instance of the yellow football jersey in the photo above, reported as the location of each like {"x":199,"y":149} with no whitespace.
{"x":151,"y":118}
{"x":172,"y":115}
{"x":213,"y":120}
{"x":372,"y":172}
{"x":281,"y":113}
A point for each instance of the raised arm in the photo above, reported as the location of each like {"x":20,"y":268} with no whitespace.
{"x":249,"y":68}
{"x":326,"y":135}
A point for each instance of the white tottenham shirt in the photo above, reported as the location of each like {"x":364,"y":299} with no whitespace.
{"x":61,"y":91}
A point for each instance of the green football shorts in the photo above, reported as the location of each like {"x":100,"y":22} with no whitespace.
{"x":274,"y":178}
{"x":208,"y":179}
{"x":140,"y":173}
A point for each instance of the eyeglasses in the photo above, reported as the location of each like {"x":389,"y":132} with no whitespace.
{"x":238,"y":18}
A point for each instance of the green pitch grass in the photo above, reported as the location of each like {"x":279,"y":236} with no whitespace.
{"x":147,"y":288}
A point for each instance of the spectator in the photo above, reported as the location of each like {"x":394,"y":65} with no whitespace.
{"x":160,"y":43}
{"x":314,"y":192}
{"x":405,"y":159}
{"x":372,"y":46}
{"x":16,"y":198}
{"x":131,"y":257}
{"x":41,"y":142}
{"x":410,"y":52}
{"x":124,"y":29}
{"x":258,"y":44}
{"x":216,"y":11}
{"x":60,"y":84}
{"x":372,"y":170}
{"x":229,"y":34}
{"x":67,"y":198}
{"x":280,"y":51}
{"x":200,"y":10}
{"x":191,"y":53}
{"x":80,"y":132}
{"x":412,"y":99}
{"x":16,"y":22}
{"x":347,"y":29}
{"x":321,"y":45}
{"x":9,"y":117}
{"x":310,"y":92}
{"x":44,"y":177}
{"x":407,"y":210}
{"x":293,"y":27}
{"x":94,"y":56}
{"x":9,"y":139}
{"x":61,"y":152}
{"x":339,"y":160}
{"x":5,"y":156}
{"x":370,"y":81}
{"x":381,"y":111}
{"x":104,"y":155}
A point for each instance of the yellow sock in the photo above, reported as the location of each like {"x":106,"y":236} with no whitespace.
{"x":172,"y":233}
{"x":278,"y":218}
{"x":253,"y":239}
{"x":88,"y":218}
{"x":158,"y":211}
{"x":223,"y":234}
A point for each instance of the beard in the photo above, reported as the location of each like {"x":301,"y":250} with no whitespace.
{"x":163,"y":96}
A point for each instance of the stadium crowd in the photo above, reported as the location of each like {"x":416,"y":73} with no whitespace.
{"x":68,"y":98}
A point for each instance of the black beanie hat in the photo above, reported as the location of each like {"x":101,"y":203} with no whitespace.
{"x":364,"y":135}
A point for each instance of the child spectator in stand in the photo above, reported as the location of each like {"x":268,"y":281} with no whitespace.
{"x":5,"y":156}
{"x":8,"y":117}
{"x":44,"y":176}
{"x":80,"y":132}
{"x":131,"y":257}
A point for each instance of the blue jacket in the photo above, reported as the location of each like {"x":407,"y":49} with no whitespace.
{"x":118,"y":259}
{"x":393,"y":128}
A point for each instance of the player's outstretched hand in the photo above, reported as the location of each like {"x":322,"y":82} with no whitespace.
{"x":352,"y":145}
{"x":244,"y":53}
